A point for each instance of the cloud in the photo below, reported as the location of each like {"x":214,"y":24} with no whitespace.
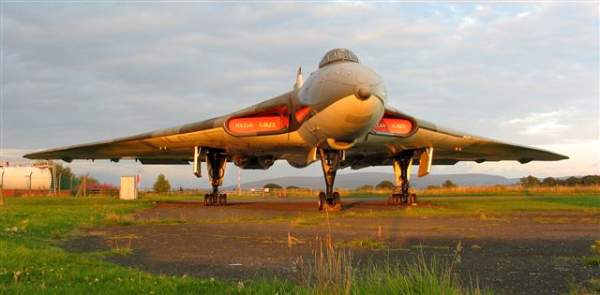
{"x":546,"y":124}
{"x":75,"y":73}
{"x":584,"y":159}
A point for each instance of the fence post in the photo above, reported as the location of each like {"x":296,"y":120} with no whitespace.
{"x":59,"y":182}
{"x":29,"y":193}
{"x":2,"y":188}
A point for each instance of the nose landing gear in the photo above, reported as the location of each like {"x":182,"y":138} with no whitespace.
{"x":330,"y":161}
{"x":401,"y":194}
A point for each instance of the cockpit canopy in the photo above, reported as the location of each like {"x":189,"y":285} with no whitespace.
{"x":338,"y":55}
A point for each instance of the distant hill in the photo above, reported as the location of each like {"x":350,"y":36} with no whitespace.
{"x":354,"y":180}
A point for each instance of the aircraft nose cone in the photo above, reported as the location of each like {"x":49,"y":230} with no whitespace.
{"x":363,"y":93}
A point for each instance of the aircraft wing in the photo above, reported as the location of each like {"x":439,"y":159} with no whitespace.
{"x":449,"y":147}
{"x":155,"y":147}
{"x":165,"y":146}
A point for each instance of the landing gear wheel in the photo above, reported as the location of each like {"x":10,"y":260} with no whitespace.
{"x":222,"y":199}
{"x":333,"y":202}
{"x":395,"y":197}
{"x":401,"y":194}
{"x":412,"y":199}
{"x":216,"y":161}
{"x":330,"y":162}
{"x":215,"y":199}
{"x":321,"y":201}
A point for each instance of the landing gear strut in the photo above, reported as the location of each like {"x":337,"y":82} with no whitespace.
{"x":401,"y":194}
{"x":215,"y":163}
{"x":330,"y":161}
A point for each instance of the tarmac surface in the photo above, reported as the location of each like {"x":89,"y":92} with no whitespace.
{"x":519,"y":253}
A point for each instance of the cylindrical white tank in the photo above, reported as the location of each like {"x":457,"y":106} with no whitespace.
{"x":25,"y":178}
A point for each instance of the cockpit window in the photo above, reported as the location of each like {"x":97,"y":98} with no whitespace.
{"x":338,"y":55}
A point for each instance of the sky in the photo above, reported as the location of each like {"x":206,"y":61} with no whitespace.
{"x":76,"y":72}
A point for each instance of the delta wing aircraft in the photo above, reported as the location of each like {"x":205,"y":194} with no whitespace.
{"x":339,"y":116}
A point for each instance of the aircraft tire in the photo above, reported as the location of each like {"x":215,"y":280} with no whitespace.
{"x":322,"y":201}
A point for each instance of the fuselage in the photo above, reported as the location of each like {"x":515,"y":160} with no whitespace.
{"x":348,"y":99}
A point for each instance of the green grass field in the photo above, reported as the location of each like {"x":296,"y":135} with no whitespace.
{"x":32,"y":261}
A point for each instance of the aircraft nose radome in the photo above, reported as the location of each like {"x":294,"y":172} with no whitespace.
{"x":349,"y":118}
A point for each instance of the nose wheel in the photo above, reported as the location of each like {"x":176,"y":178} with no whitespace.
{"x":331,"y":203}
{"x":330,"y":161}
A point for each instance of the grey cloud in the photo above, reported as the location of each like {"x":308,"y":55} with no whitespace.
{"x":78,"y":72}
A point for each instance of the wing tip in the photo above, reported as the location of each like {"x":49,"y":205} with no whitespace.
{"x":31,"y":156}
{"x":38,"y":156}
{"x":558,"y":157}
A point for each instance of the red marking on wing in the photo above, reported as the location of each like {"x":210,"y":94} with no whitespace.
{"x":258,"y":124}
{"x":302,"y":113}
{"x":397,"y":126}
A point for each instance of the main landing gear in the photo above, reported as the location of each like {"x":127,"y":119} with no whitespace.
{"x":401,"y":194}
{"x":330,"y":162}
{"x":215,"y":164}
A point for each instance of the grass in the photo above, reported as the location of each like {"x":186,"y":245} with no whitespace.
{"x":421,"y":277}
{"x":511,"y":190}
{"x":523,"y":204}
{"x":489,"y":190}
{"x":332,"y":272}
{"x":594,"y":259}
{"x":487,"y":208}
{"x":591,"y":287}
{"x":366,"y":243}
{"x":32,"y":261}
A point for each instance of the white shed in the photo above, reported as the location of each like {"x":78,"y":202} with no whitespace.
{"x":128,"y":190}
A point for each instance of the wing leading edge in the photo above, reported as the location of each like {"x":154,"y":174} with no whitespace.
{"x":450,"y":147}
{"x":149,"y":145}
{"x":467,"y":147}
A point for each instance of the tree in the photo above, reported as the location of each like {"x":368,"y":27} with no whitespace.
{"x":161,"y":185}
{"x":449,"y":184}
{"x":90,"y":180}
{"x":590,"y":180}
{"x":292,"y":187}
{"x":272,"y":186}
{"x":385,"y":184}
{"x":572,"y":181}
{"x":366,"y":187}
{"x":549,"y":181}
{"x":66,"y":175}
{"x":529,"y":181}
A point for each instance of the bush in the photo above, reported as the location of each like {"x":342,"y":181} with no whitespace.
{"x":449,"y":184}
{"x":529,"y":181}
{"x":366,"y":187}
{"x":272,"y":186}
{"x":161,"y":185}
{"x":386,"y":184}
